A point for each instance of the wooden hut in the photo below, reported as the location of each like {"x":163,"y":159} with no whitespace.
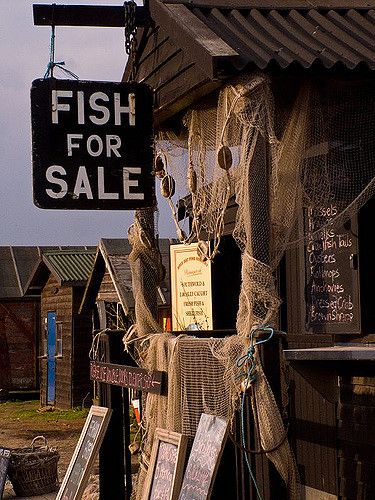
{"x":60,"y":279}
{"x":109,"y":292}
{"x":19,"y":320}
{"x":187,"y":53}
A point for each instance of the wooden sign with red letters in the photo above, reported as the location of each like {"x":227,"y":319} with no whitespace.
{"x":127,"y":376}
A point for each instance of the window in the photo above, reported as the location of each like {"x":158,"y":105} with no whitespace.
{"x":59,"y":339}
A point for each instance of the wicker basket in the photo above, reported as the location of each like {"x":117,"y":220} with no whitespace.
{"x":33,"y":471}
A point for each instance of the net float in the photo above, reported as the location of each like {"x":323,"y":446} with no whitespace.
{"x":159,"y":167}
{"x":224,"y":158}
{"x":202,"y":250}
{"x":192,"y":180}
{"x":167,"y":186}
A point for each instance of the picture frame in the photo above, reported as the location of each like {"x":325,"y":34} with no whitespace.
{"x":166,"y":467}
{"x":90,"y":440}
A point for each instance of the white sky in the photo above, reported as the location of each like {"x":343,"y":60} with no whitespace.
{"x":91,"y":53}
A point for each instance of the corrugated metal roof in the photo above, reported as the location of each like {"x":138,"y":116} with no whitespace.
{"x":286,"y":36}
{"x":194,"y":45}
{"x":70,"y":266}
{"x":259,"y":33}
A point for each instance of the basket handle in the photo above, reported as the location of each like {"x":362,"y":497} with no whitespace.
{"x":38,"y":437}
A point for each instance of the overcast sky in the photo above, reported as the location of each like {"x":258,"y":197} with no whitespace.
{"x":91,"y":53}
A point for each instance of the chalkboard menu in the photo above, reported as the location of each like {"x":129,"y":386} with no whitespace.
{"x":166,"y":466}
{"x":4,"y":462}
{"x":332,"y":278}
{"x":204,"y":458}
{"x":84,"y":455}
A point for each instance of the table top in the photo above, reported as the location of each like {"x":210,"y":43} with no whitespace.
{"x":360,"y":352}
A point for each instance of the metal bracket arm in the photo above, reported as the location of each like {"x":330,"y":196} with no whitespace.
{"x":101,"y":16}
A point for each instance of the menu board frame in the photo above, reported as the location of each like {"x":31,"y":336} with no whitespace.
{"x":103,"y":415}
{"x":178,"y":440}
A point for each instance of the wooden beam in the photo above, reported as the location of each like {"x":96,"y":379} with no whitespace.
{"x":193,"y":36}
{"x":101,"y":16}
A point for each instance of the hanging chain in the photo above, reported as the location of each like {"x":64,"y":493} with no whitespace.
{"x":130,"y":34}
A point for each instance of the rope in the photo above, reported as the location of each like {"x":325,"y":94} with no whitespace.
{"x":248,"y":361}
{"x":52,"y":64}
{"x":261,"y":451}
{"x":93,"y":354}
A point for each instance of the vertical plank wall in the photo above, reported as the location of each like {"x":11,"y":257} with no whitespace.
{"x":82,"y":339}
{"x":59,"y":299}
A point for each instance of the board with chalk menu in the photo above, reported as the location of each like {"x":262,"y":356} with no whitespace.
{"x":332,"y":274}
{"x":167,"y":462}
{"x":84,"y":455}
{"x":204,"y":458}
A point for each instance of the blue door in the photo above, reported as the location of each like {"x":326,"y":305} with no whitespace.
{"x":51,"y":360}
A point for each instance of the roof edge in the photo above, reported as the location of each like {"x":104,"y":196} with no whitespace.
{"x":189,"y":32}
{"x":277,"y":4}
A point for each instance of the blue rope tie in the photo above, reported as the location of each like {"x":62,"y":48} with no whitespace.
{"x":52,"y":64}
{"x":248,"y":361}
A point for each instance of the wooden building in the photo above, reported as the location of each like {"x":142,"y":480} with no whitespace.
{"x":109,"y":295}
{"x":19,"y":320}
{"x":189,"y":51}
{"x":65,"y":339}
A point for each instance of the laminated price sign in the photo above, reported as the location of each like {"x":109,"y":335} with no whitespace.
{"x":92,"y":145}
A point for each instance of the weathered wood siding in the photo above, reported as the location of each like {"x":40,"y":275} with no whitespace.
{"x":59,"y":299}
{"x":19,"y":327}
{"x":313,"y":431}
{"x":356,"y":436}
{"x":172,"y":74}
{"x":82,"y":339}
{"x":107,"y":291}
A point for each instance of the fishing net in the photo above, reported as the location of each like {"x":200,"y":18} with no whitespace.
{"x":278,"y":148}
{"x":312,"y":151}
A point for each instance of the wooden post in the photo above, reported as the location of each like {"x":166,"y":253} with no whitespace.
{"x":270,"y":357}
{"x":114,"y":455}
{"x":268,"y":479}
{"x":145,"y":218}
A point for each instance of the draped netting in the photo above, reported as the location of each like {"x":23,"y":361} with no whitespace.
{"x":311,"y":151}
{"x":275,"y":152}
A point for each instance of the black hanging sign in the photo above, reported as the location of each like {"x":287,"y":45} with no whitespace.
{"x":92,"y":145}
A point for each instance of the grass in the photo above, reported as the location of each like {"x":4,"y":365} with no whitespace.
{"x":29,"y":410}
